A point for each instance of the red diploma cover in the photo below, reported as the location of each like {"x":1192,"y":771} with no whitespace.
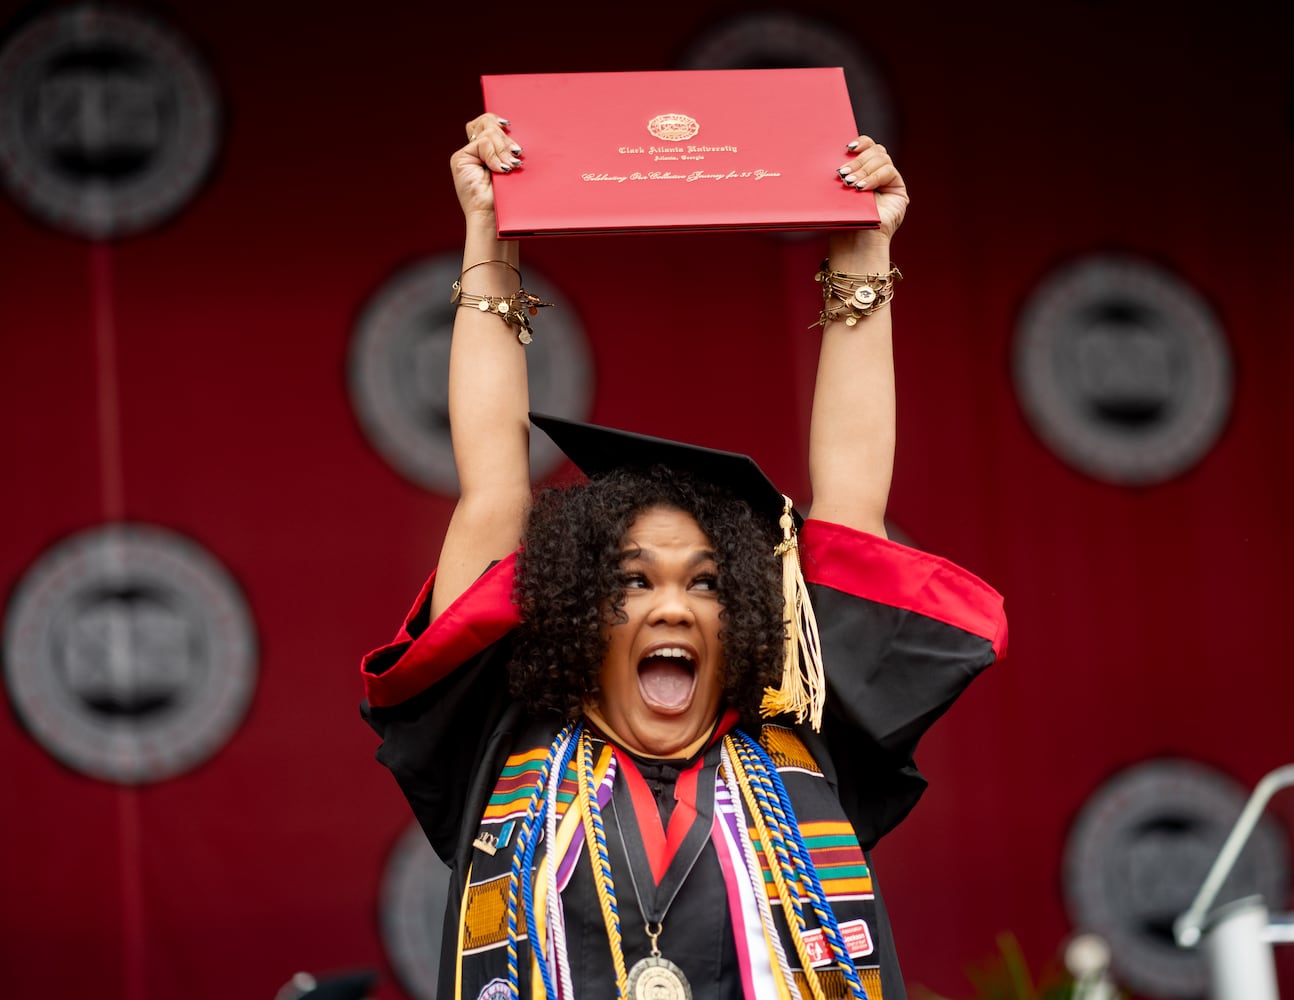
{"x":694,"y":150}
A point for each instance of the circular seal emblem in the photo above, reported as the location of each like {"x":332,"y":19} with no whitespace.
{"x":779,"y":39}
{"x":1137,"y":855}
{"x":1122,"y":369}
{"x":399,"y":372}
{"x":129,"y":653}
{"x":495,"y":989}
{"x":415,"y":888}
{"x":673,"y":128}
{"x":658,"y":978}
{"x":108,"y":120}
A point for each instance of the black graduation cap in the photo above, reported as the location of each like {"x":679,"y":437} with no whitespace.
{"x":596,"y":450}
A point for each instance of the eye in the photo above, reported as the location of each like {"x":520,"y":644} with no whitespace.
{"x":706,"y":581}
{"x":635,"y":581}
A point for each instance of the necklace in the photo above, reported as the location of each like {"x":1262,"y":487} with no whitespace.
{"x":659,"y":863}
{"x":661,"y":858}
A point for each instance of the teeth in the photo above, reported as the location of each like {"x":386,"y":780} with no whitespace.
{"x":673,"y":652}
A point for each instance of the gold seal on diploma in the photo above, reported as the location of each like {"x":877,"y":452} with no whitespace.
{"x":673,"y":128}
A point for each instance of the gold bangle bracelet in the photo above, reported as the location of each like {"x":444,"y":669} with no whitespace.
{"x":854,"y":295}
{"x":482,"y":263}
{"x":514,"y":309}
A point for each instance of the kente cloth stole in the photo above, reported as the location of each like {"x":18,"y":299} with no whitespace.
{"x":765,"y":941}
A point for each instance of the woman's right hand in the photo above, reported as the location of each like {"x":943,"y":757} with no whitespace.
{"x":489,"y":150}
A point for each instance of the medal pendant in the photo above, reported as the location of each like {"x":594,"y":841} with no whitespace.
{"x":657,"y":978}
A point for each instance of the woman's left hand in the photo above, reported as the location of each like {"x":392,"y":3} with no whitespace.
{"x":871,"y":169}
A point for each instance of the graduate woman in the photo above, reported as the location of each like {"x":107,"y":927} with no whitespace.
{"x":653,"y":723}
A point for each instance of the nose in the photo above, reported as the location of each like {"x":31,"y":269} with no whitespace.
{"x":671,"y":607}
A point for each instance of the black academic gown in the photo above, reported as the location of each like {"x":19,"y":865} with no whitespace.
{"x":903,"y":633}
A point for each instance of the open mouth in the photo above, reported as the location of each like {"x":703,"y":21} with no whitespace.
{"x":667,"y":678}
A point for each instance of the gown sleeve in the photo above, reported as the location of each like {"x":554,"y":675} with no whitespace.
{"x":437,"y":694}
{"x":903,"y":634}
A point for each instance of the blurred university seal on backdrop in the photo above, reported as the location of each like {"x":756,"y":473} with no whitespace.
{"x":1122,"y":369}
{"x":129,"y":653}
{"x":399,"y":371}
{"x":109,"y":120}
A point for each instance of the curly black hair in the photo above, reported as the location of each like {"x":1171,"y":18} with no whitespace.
{"x":569,"y":587}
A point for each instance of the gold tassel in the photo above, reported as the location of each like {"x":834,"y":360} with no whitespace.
{"x":804,"y":686}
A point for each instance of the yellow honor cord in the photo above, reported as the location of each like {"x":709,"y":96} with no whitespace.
{"x":462,"y":928}
{"x":601,"y":876}
{"x":779,"y":980}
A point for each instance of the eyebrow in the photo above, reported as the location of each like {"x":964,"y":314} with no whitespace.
{"x":649,"y":556}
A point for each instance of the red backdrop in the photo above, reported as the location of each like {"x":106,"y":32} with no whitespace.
{"x":194,"y":377}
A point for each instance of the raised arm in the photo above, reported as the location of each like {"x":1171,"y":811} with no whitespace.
{"x":488,"y":399}
{"x":851,"y":433}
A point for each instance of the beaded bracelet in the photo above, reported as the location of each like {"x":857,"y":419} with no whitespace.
{"x":514,"y":309}
{"x":859,"y":295}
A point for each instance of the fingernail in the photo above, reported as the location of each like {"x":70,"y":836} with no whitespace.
{"x":505,"y":168}
{"x":505,"y":123}
{"x":516,"y":150}
{"x":852,"y":145}
{"x":516,"y":162}
{"x":851,"y":179}
{"x":842,"y":171}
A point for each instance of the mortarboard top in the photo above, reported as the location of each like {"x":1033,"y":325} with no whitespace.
{"x":596,"y":450}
